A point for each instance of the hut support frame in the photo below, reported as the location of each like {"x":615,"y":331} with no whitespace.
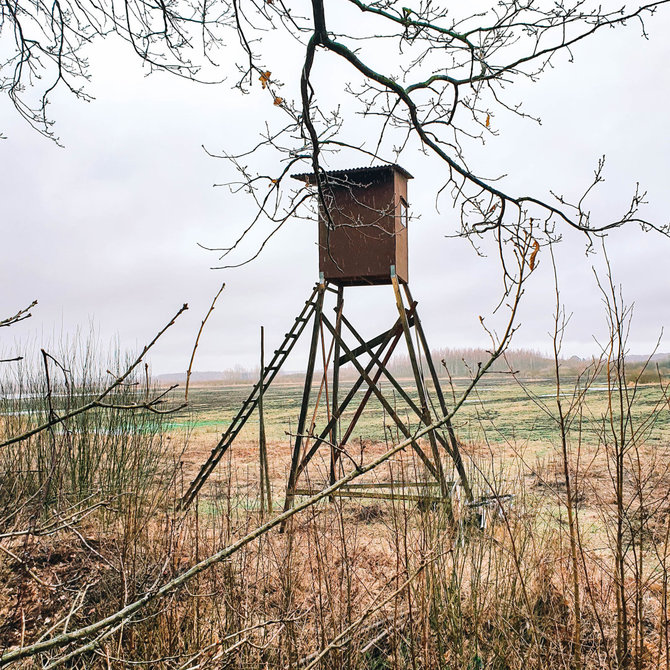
{"x":379,"y":350}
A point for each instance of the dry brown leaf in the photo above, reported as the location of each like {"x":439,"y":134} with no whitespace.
{"x":264,"y":78}
{"x":536,"y":248}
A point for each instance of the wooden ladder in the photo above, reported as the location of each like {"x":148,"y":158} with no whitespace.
{"x":249,"y":405}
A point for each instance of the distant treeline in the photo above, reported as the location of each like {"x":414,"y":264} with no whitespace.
{"x":527,"y":363}
{"x":235,"y":375}
{"x":462,"y":362}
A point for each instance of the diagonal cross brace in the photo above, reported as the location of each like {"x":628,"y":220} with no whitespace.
{"x":395,"y":332}
{"x":413,"y":318}
{"x":380,"y":396}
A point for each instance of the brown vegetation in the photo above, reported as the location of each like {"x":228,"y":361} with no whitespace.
{"x":380,"y":583}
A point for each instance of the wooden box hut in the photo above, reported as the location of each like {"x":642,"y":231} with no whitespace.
{"x":363,"y":224}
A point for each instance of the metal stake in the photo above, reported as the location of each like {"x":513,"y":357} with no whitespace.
{"x":266,"y":491}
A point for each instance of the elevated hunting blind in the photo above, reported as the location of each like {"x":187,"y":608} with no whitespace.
{"x":362,"y":241}
{"x":362,"y":224}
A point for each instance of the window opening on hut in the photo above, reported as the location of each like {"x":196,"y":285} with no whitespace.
{"x":404,"y":213}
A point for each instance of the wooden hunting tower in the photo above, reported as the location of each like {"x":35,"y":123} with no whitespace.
{"x":362,"y":240}
{"x":363,"y":225}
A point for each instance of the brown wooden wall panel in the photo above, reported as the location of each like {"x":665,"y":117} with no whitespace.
{"x":361,"y":231}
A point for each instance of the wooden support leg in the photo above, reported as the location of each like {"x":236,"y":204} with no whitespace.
{"x":295,"y":460}
{"x":452,"y":448}
{"x":381,"y":369}
{"x":425,"y":410}
{"x":334,"y":453}
{"x":401,"y":391}
{"x":383,"y":365}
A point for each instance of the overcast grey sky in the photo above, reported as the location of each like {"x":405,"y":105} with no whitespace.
{"x":105,"y":230}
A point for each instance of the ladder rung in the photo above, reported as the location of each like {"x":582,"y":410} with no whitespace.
{"x":234,"y":423}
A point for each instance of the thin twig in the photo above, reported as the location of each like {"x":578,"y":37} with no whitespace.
{"x":197,"y":340}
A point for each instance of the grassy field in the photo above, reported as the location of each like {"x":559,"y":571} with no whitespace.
{"x":500,"y":411}
{"x":512,"y":424}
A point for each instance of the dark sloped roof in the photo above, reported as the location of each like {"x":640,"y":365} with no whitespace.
{"x":308,"y":177}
